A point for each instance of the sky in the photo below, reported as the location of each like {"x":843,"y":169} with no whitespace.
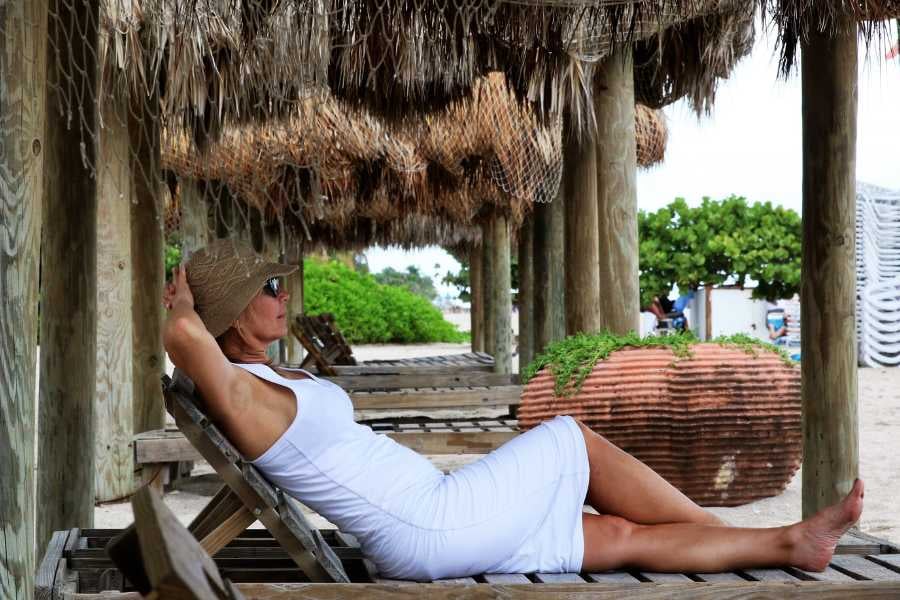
{"x":750,"y":145}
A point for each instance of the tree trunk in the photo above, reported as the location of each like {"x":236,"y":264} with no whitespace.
{"x":828,"y":275}
{"x":487,"y":286}
{"x":619,"y":284}
{"x":114,"y":412}
{"x":476,"y":302}
{"x":23,"y":65}
{"x":549,"y":272}
{"x":501,"y":298}
{"x":582,"y":247}
{"x":195,"y":218}
{"x":526,"y":293}
{"x":148,"y":264}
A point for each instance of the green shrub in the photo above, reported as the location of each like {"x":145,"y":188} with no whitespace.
{"x":368,"y":312}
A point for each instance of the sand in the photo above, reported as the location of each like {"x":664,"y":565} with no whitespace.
{"x":879,"y":429}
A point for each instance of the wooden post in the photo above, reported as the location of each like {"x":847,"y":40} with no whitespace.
{"x":195,"y":221}
{"x":549,"y":272}
{"x":828,"y":275}
{"x":526,"y":292}
{"x":617,"y":194}
{"x":65,"y":474}
{"x":501,"y":296}
{"x":487,"y":286}
{"x":148,"y":262}
{"x":294,"y":255}
{"x":582,"y":247}
{"x":114,"y":413}
{"x":476,"y":298}
{"x":23,"y":50}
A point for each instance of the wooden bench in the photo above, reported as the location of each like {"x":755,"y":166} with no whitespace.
{"x":329,"y":353}
{"x":76,"y":566}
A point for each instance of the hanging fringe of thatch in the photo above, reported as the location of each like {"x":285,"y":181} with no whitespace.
{"x":231,"y":61}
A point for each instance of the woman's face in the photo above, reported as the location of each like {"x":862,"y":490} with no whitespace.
{"x":265,"y":318}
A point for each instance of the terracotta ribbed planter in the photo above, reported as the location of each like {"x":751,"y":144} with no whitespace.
{"x":723,"y":426}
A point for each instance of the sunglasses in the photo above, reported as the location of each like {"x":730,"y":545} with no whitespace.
{"x":272,"y":286}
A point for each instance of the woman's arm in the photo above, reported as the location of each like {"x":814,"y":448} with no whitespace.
{"x":193,"y":349}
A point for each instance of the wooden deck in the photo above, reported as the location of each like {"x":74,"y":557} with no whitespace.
{"x":76,"y":566}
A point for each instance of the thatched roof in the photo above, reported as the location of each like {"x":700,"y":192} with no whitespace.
{"x":227,"y":61}
{"x":338,"y":171}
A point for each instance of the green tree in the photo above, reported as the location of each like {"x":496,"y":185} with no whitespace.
{"x":412,"y":279}
{"x":718,"y":241}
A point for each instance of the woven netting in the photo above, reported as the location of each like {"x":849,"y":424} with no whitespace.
{"x":406,"y":77}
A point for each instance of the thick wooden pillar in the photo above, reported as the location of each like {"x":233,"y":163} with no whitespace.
{"x":828,"y":285}
{"x":487,"y":286}
{"x":476,"y":298}
{"x":582,"y":247}
{"x":294,"y":255}
{"x":549,"y":272}
{"x":23,"y":64}
{"x":617,"y":194}
{"x":526,"y":292}
{"x":147,"y":261}
{"x":196,"y":231}
{"x":501,"y":296}
{"x":114,"y":416}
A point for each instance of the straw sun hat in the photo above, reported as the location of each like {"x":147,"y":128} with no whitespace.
{"x":224,"y":277}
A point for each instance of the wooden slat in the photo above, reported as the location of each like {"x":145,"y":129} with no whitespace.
{"x":46,"y":573}
{"x":455,"y":581}
{"x":463,"y":379}
{"x":770,"y":575}
{"x":398,"y":369}
{"x":719,"y":577}
{"x":614,"y":577}
{"x":453,"y":442}
{"x":829,"y":574}
{"x":495,"y":396}
{"x":854,"y":542}
{"x":559,"y":578}
{"x":859,"y":567}
{"x":163,"y":447}
{"x":507,"y":578}
{"x":888,"y":560}
{"x":665,"y":577}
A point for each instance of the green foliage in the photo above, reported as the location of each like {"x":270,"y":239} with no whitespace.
{"x":460,"y":281}
{"x":173,"y":258}
{"x":571,"y":360}
{"x":720,"y":241}
{"x":368,"y":312}
{"x":412,"y":279}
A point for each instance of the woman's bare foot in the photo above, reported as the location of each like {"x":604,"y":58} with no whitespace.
{"x":813,"y":541}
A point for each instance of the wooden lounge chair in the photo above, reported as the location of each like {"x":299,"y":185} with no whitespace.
{"x":328,"y":353}
{"x":76,"y":566}
{"x":372,"y":395}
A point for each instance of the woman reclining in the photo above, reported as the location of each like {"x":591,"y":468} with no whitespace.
{"x":516,"y":510}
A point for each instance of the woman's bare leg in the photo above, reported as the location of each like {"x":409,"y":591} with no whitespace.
{"x":623,"y":486}
{"x":613,"y":542}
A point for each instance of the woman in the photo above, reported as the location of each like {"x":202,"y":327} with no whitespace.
{"x":518,"y":509}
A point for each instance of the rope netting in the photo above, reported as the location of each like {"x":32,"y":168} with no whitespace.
{"x":349,"y":122}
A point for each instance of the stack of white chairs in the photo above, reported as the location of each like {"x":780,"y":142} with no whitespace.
{"x":878,"y":275}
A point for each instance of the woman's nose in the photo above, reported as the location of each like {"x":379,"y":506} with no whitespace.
{"x":284,"y":296}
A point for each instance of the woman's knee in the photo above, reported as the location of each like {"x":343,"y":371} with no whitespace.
{"x":607,"y":541}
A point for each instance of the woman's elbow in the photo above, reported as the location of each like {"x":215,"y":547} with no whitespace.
{"x":178,"y":334}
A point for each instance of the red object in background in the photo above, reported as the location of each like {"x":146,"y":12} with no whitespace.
{"x":893,"y":52}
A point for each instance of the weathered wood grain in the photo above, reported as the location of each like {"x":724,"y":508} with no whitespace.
{"x":352,"y":383}
{"x":617,"y":194}
{"x":293,"y":349}
{"x":476,"y":298}
{"x":582,"y":248}
{"x":501,"y":296}
{"x":114,"y":415}
{"x":147,"y":259}
{"x":860,"y":567}
{"x":22,"y":88}
{"x":549,"y":272}
{"x":487,"y":286}
{"x":65,"y":474}
{"x":195,"y":222}
{"x":45,"y":579}
{"x":526,"y":292}
{"x":438,"y":398}
{"x":828,"y":273}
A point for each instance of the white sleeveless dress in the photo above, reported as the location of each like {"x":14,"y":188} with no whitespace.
{"x":516,"y":510}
